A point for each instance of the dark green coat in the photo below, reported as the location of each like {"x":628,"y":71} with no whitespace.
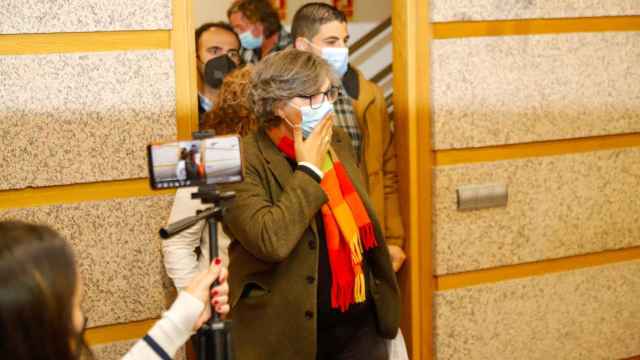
{"x":274,"y":255}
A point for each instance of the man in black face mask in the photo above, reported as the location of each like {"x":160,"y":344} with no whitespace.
{"x":217,"y":54}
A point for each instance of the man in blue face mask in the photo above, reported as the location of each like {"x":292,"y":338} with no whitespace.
{"x":257,"y":24}
{"x":360,"y":110}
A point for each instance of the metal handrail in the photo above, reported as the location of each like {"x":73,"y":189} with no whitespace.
{"x":382,"y":74}
{"x":363,"y":41}
{"x":389,"y":99}
{"x":370,"y":35}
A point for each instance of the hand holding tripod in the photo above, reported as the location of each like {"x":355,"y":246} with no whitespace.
{"x":214,"y":337}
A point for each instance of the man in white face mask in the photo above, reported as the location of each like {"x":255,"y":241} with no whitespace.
{"x":360,"y":111}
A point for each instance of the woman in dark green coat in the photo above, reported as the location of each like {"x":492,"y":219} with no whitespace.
{"x":310,"y":274}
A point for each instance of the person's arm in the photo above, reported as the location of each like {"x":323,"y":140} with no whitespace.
{"x":394,"y":230}
{"x":185,"y":315}
{"x":270,"y":231}
{"x":170,"y":332}
{"x":180,"y":259}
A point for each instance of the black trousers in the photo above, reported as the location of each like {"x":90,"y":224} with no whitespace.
{"x":363,"y":343}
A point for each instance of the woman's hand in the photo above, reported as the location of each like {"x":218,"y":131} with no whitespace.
{"x":220,"y":294}
{"x":200,"y":288}
{"x":314,"y":149}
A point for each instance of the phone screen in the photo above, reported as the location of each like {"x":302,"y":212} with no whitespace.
{"x":215,"y":160}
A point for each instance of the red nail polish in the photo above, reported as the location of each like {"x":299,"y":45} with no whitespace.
{"x":217,"y":261}
{"x":214,"y":293}
{"x":215,"y":302}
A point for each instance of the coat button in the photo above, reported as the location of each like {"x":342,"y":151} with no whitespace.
{"x":308,"y":315}
{"x":312,"y":244}
{"x":311,"y":279}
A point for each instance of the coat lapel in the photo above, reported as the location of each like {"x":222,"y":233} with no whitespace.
{"x":276,"y":162}
{"x":278,"y":165}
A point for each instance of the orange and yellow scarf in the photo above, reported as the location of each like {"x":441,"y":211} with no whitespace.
{"x":348,"y":228}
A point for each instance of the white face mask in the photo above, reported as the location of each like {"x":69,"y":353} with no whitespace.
{"x":338,"y":58}
{"x":312,"y":117}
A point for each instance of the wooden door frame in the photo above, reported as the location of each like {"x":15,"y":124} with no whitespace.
{"x":412,"y":35}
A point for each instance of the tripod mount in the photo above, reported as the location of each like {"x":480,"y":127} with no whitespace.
{"x":213,"y":339}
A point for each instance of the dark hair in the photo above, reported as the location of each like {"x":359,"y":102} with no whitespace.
{"x":281,"y":76}
{"x":37,"y":286}
{"x":214,"y":25}
{"x":261,"y":11}
{"x":308,"y":19}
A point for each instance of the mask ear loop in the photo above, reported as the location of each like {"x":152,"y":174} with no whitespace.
{"x":287,"y":120}
{"x":312,"y":44}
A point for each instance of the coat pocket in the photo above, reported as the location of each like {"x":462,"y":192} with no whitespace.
{"x":254,"y":292}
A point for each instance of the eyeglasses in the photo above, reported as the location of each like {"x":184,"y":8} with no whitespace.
{"x":315,"y":101}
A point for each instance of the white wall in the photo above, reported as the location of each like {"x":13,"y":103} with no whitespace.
{"x":365,"y":10}
{"x":210,"y":10}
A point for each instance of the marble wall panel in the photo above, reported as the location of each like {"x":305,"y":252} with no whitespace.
{"x":558,"y":206}
{"x":518,"y":89}
{"x":53,"y":16}
{"x":119,"y":253}
{"x":475,"y":10}
{"x":77,"y":118}
{"x":586,"y":314}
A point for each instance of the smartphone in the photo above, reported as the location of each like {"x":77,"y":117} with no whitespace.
{"x":214,"y":160}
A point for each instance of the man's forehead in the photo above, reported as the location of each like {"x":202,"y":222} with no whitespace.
{"x":333,"y":28}
{"x":238,"y":16}
{"x":219,"y":37}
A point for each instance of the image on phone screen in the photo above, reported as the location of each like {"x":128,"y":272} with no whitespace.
{"x":215,"y":160}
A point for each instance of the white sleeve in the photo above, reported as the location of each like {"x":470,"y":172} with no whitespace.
{"x":180,"y":259}
{"x":169,"y":333}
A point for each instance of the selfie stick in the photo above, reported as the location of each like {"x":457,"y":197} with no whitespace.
{"x":214,"y":337}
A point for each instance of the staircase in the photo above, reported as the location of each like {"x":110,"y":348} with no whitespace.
{"x":369,"y":49}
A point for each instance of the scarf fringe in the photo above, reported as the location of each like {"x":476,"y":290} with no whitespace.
{"x":368,"y":236}
{"x":356,"y":249}
{"x":360,"y":290}
{"x":342,"y":289}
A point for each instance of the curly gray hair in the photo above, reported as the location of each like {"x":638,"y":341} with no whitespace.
{"x":282,"y":76}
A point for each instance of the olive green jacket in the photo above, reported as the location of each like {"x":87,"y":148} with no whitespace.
{"x":274,"y":255}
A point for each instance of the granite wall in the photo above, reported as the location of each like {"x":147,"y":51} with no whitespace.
{"x":558,"y":206}
{"x":85,"y":117}
{"x":552,"y":90}
{"x":475,"y":10}
{"x":583,"y":314}
{"x":518,"y":89}
{"x":55,"y":16}
{"x":74,"y":118}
